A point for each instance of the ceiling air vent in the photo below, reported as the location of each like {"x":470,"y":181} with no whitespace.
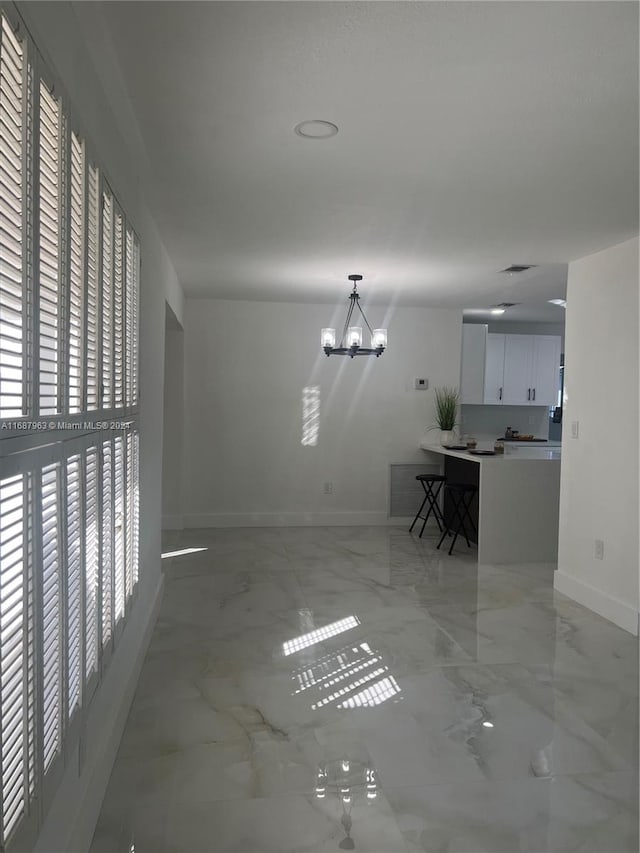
{"x":518,"y":268}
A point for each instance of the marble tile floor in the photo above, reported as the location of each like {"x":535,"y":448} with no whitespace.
{"x":327,"y":689}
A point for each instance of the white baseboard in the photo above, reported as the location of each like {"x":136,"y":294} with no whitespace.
{"x":72,"y":818}
{"x":173,"y":522}
{"x":293,"y":519}
{"x":623,"y":615}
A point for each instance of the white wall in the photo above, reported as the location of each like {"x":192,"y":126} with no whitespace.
{"x":173,"y":420}
{"x":60,"y":32}
{"x":246,"y":364}
{"x":599,"y":484}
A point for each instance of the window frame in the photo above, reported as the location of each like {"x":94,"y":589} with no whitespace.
{"x":27,"y":450}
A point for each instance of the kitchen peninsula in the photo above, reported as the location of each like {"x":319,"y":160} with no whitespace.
{"x":518,"y":500}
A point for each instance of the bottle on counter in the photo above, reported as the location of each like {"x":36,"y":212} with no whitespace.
{"x":508,"y":433}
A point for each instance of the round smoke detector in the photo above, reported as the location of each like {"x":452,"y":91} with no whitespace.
{"x":316,"y":129}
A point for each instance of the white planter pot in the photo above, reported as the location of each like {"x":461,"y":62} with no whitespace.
{"x":447,"y":436}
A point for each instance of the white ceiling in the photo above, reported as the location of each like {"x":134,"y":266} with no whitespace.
{"x":473,"y":135}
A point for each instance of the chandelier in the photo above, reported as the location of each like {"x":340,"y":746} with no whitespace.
{"x":351,"y":340}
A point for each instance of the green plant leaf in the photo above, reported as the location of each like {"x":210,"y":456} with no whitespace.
{"x":447,"y":399}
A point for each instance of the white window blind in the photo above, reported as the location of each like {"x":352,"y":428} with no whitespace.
{"x":51,"y":629}
{"x":76,"y":274}
{"x":16,"y":648}
{"x":135,"y":508}
{"x":118,"y":311}
{"x":50,"y":292}
{"x":135,"y":357}
{"x":93,"y":252}
{"x":106,"y":568}
{"x":74,"y":576}
{"x":130,"y":516}
{"x":12,"y":296}
{"x":69,"y":511}
{"x":119,"y":538}
{"x":129,"y":317}
{"x":91,"y":562}
{"x":107,"y":301}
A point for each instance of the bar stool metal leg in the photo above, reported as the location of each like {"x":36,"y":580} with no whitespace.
{"x":461,"y":496}
{"x":432,"y":497}
{"x":431,"y":484}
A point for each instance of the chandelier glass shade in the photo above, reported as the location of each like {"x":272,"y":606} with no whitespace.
{"x":351,"y":340}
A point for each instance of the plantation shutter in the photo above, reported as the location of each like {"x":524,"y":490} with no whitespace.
{"x":119,"y":540}
{"x":50,"y":291}
{"x":107,"y":301}
{"x":106,"y":568}
{"x":69,"y":336}
{"x":13,"y":401}
{"x":51,"y":614}
{"x":135,"y":356}
{"x":129,"y":528}
{"x":91,"y":562}
{"x":76,"y":274}
{"x":135,"y":508}
{"x":16,"y":654}
{"x":93,"y":236}
{"x":129,"y":318}
{"x":74,"y":583}
{"x":118,"y":311}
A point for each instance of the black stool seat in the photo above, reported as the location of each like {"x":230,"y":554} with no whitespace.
{"x":431,"y":483}
{"x":461,"y":495}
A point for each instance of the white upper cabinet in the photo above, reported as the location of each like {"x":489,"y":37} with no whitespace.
{"x":474,"y":343}
{"x":512,"y":370}
{"x":518,"y":353}
{"x":545,"y":370}
{"x":494,"y":370}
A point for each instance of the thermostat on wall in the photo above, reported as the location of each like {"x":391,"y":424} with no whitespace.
{"x":420,"y":384}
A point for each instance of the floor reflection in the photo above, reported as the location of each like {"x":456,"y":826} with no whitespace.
{"x":319,"y":635}
{"x":352,"y":677}
{"x":346,"y":781}
{"x":325,"y":689}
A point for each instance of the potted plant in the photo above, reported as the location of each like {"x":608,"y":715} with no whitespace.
{"x":447,"y":400}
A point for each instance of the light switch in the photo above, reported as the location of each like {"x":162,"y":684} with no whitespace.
{"x":574,"y":429}
{"x":420,"y":384}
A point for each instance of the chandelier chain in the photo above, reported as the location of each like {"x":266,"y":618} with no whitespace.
{"x":348,"y":320}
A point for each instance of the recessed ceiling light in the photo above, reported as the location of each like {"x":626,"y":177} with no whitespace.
{"x":487,"y":724}
{"x":316,"y":129}
{"x":561,"y":302}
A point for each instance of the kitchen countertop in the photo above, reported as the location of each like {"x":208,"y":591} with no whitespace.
{"x":537,"y":442}
{"x":518,"y":452}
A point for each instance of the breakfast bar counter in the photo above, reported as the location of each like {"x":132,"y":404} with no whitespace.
{"x":518,"y":500}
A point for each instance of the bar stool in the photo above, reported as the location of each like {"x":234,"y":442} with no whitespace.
{"x":431,"y":483}
{"x":461,"y":495}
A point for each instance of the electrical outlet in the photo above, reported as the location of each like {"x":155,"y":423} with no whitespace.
{"x":598,"y":550}
{"x":532,"y":420}
{"x":328,"y":488}
{"x":421,"y":384}
{"x":575,"y":429}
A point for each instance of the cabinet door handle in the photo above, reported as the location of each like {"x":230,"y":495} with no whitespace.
{"x":528,"y":393}
{"x":534,"y":393}
{"x":500,"y":394}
